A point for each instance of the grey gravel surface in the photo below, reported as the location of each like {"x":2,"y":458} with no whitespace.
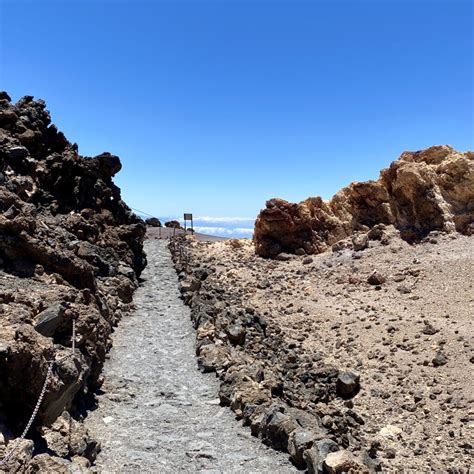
{"x":158,"y":412}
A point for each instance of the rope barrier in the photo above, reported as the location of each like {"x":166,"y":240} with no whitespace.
{"x":141,"y":212}
{"x":49,"y":373}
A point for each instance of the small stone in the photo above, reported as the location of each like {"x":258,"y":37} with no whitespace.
{"x":429,"y":329}
{"x":50,"y":319}
{"x":307,"y":260}
{"x":190,"y":285}
{"x":236,"y":334}
{"x":347,"y":384}
{"x":315,"y":456}
{"x":391,"y":431}
{"x":343,"y":461}
{"x":390,"y":453}
{"x":284,"y":257}
{"x":399,"y":278}
{"x":360,"y":242}
{"x":300,"y":441}
{"x":262,"y":285}
{"x":439,"y":359}
{"x":376,"y":278}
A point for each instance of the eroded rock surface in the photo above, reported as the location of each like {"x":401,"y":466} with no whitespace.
{"x":422,"y":191}
{"x":70,"y":249}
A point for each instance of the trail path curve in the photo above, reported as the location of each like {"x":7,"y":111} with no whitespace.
{"x":159,"y":413}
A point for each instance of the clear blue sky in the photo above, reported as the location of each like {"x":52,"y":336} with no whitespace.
{"x":216,"y":106}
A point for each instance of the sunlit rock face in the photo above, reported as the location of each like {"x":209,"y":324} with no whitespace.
{"x":426,"y":190}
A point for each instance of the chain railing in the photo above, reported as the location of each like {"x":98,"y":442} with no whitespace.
{"x":16,"y":442}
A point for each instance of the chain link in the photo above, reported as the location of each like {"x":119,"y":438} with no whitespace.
{"x":49,"y":373}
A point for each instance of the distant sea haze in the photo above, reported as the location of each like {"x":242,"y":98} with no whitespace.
{"x":239,"y":227}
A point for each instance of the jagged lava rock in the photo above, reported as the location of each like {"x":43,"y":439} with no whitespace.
{"x":422,"y":191}
{"x":70,"y":249}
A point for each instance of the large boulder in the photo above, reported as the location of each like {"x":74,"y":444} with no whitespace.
{"x":427,"y":190}
{"x":173,"y":224}
{"x":153,"y":222}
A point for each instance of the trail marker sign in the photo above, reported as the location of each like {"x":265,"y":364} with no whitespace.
{"x":188,"y":217}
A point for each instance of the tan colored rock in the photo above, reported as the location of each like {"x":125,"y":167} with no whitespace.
{"x":344,"y":462}
{"x":22,"y":455}
{"x":427,"y":190}
{"x":46,"y":463}
{"x":67,"y":437}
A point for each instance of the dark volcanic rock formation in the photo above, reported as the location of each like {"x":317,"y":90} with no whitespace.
{"x":153,"y":222}
{"x":173,"y":225}
{"x":422,"y":191}
{"x":70,"y":249}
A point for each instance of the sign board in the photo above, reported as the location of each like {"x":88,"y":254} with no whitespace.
{"x":188,"y":217}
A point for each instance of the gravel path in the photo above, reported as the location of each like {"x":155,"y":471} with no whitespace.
{"x":159,"y":413}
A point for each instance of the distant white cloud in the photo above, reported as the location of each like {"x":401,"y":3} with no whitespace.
{"x":243,"y":230}
{"x":225,"y":231}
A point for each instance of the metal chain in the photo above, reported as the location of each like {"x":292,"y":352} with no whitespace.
{"x":49,"y":373}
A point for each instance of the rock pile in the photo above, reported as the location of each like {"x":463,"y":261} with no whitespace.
{"x":70,"y":249}
{"x":422,"y":191}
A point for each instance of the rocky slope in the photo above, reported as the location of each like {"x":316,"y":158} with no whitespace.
{"x":427,"y":190}
{"x":70,"y":249}
{"x":367,"y":352}
{"x":357,"y":357}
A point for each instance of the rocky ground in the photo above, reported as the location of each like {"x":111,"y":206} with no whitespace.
{"x":372,"y":340}
{"x":157,"y":413}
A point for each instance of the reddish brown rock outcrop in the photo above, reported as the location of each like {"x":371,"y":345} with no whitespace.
{"x":70,"y":249}
{"x":173,"y":225}
{"x":427,"y":190}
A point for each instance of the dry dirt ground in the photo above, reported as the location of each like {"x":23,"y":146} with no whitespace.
{"x":410,"y":337}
